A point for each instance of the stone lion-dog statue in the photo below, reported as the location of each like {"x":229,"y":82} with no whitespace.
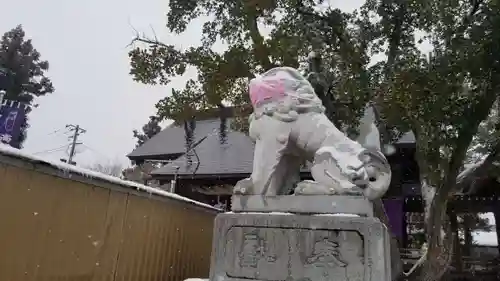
{"x":289,"y":128}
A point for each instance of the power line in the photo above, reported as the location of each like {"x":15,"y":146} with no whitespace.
{"x":96,"y":151}
{"x":56,"y":132}
{"x":52,"y":149}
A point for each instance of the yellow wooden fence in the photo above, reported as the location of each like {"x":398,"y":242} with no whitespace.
{"x":62,"y":224}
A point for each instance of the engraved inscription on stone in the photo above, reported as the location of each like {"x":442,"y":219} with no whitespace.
{"x":325,"y":254}
{"x":299,"y":254}
{"x":254,"y":248}
{"x":251,"y":252}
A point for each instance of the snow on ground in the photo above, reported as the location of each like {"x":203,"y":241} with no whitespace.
{"x":485,"y":238}
{"x":339,"y":215}
{"x":16,"y":153}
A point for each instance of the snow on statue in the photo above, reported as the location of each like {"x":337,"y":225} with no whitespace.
{"x":289,"y":127}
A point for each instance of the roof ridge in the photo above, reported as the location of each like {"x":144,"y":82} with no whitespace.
{"x":222,"y":112}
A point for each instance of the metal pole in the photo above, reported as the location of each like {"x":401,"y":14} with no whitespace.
{"x":173,"y":183}
{"x":73,"y":144}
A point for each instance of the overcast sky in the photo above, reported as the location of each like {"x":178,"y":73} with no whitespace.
{"x":85,"y":43}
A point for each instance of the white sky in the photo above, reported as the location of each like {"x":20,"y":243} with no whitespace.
{"x":85,"y":43}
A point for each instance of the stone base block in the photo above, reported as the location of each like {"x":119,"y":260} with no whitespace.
{"x":303,"y":204}
{"x":279,"y":247}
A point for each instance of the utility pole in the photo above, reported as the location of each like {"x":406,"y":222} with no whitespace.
{"x":77,"y":132}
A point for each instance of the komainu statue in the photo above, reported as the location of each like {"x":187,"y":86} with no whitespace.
{"x":290,"y":128}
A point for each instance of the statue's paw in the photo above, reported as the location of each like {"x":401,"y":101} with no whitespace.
{"x":314,"y":188}
{"x":244,"y":186}
{"x":355,"y":190}
{"x":308,"y":187}
{"x":303,"y":186}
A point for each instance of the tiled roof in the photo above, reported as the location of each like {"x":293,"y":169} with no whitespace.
{"x":170,"y":143}
{"x":213,"y":155}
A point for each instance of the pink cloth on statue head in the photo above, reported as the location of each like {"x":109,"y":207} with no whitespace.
{"x":263,"y":89}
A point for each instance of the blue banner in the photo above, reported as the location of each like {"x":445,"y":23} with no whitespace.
{"x":11,"y":119}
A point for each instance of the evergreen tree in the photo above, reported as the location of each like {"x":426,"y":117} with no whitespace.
{"x":148,"y":130}
{"x":139,"y":172}
{"x":22,"y":71}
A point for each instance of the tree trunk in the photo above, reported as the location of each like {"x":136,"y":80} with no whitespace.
{"x":438,"y":233}
{"x":457,"y":257}
{"x":467,"y":235}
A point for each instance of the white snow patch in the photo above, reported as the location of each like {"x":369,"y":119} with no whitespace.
{"x":389,"y":149}
{"x":469,"y":168}
{"x":280,"y":213}
{"x":261,"y":213}
{"x":289,"y":214}
{"x":13,"y":152}
{"x":196,"y":279}
{"x":337,"y":215}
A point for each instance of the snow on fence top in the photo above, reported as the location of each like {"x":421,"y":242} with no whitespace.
{"x":16,"y":153}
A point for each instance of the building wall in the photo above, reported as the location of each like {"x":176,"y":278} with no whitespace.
{"x":484,"y":252}
{"x":68,"y":227}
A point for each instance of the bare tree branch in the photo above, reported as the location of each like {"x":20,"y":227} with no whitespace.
{"x":260,"y":50}
{"x":144,"y":39}
{"x":154,"y":33}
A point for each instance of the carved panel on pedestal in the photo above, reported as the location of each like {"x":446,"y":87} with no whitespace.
{"x":294,"y":254}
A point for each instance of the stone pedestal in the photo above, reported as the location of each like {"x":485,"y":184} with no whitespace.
{"x":303,"y":204}
{"x":297,"y":247}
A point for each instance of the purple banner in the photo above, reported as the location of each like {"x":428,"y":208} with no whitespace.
{"x":11,"y":119}
{"x":394,"y":210}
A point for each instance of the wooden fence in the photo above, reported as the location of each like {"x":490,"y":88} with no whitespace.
{"x":59,"y":223}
